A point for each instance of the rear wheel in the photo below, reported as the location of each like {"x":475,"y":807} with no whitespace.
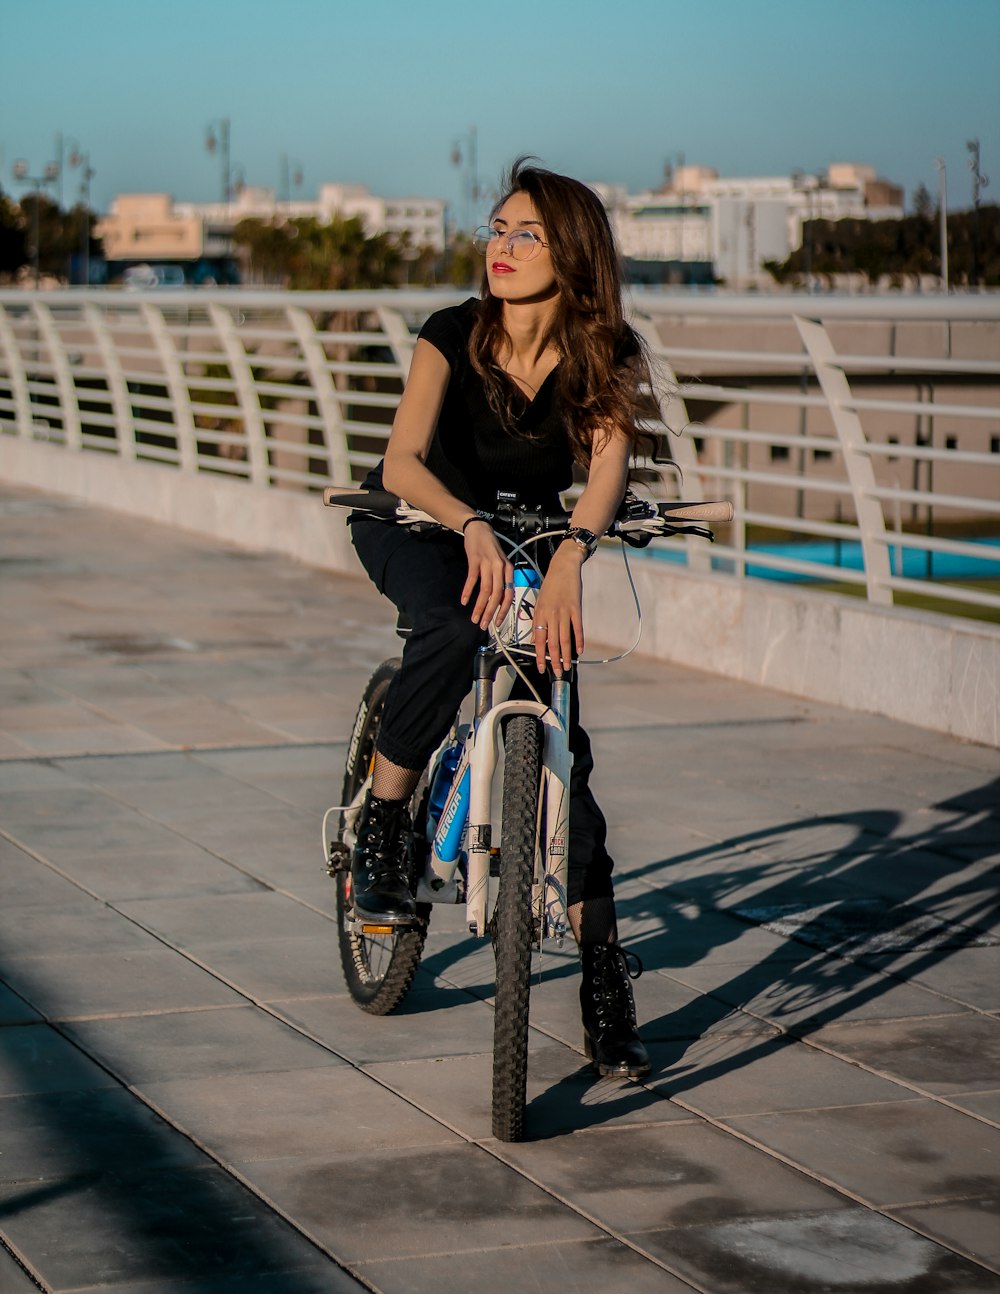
{"x":378,"y":967}
{"x":513,"y":925}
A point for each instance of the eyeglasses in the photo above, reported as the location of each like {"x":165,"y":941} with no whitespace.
{"x":521,"y":243}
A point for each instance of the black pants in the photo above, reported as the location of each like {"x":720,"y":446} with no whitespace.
{"x":423,"y":575}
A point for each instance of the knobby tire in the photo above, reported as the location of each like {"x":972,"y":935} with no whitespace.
{"x":513,"y":925}
{"x":378,"y":969}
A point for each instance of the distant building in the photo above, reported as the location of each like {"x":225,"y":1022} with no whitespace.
{"x":701,"y":227}
{"x":151,"y":227}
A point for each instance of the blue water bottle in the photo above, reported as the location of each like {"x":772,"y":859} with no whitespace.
{"x":441,"y":785}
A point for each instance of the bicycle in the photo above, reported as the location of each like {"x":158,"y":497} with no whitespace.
{"x":464,"y":838}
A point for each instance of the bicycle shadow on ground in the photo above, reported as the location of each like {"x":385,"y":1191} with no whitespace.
{"x":845,"y":924}
{"x":854,"y":922}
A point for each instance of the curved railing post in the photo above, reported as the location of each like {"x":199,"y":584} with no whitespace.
{"x":246,"y":392}
{"x":860,"y":473}
{"x":16,"y":375}
{"x":69,"y":410}
{"x":173,"y":371}
{"x":325,"y":392}
{"x":670,"y":403}
{"x":117,"y":385}
{"x":400,"y":339}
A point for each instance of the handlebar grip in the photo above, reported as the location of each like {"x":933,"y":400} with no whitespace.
{"x":378,"y":502}
{"x":717,"y":511}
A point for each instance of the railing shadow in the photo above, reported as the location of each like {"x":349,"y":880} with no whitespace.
{"x":96,"y":1188}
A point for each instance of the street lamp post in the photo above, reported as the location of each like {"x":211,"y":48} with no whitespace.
{"x":291,"y":176}
{"x":217,"y":137}
{"x":49,"y":176}
{"x":979,"y":182}
{"x":79,"y":158}
{"x":467,"y":151}
{"x":943,"y":216}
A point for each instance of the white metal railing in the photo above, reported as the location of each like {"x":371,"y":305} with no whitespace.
{"x":871,"y":422}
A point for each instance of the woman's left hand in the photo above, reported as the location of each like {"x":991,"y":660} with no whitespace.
{"x":558,"y":620}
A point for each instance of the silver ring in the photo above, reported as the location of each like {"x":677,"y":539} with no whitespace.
{"x":509,"y":586}
{"x":540,"y":629}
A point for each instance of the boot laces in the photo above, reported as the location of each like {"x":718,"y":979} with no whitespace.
{"x":380,"y":838}
{"x":612,"y":989}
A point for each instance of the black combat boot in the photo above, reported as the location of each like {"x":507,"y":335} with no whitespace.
{"x":380,"y":884}
{"x":610,"y":1037}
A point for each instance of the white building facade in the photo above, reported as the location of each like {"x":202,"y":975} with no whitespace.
{"x":730,"y":226}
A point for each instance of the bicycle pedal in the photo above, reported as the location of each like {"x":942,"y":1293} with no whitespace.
{"x":340,"y":858}
{"x":366,"y":926}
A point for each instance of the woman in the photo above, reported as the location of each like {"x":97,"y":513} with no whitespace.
{"x":506,"y":393}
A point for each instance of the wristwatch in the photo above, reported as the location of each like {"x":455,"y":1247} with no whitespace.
{"x":586,"y":539}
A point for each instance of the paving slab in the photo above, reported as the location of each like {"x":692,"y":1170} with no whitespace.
{"x":13,"y":1278}
{"x":969,"y":1225}
{"x":307,"y":1112}
{"x":753,"y":1073}
{"x":245,"y":918}
{"x":89,"y":985}
{"x":889,"y":1153}
{"x":275,"y":969}
{"x":56,"y":1135}
{"x":187,"y":1044}
{"x":851,"y":1251}
{"x":939,"y":1053}
{"x":191,"y":1104}
{"x":484,"y":1198}
{"x":176,"y":1223}
{"x":36,"y":1058}
{"x":583,"y":1266}
{"x":563,"y":1096}
{"x":328,"y":1279}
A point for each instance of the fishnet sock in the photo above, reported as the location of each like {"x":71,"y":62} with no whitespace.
{"x":593,"y":921}
{"x":393,"y":782}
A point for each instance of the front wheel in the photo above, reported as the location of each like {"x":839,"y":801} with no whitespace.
{"x":513,"y":924}
{"x":378,"y":968}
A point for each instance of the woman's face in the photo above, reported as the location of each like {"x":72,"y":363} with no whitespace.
{"x":516,"y":280}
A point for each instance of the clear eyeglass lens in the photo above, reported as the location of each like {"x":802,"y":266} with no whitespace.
{"x":522,"y":242}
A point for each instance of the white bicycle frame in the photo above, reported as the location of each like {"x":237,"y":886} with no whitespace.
{"x":482,"y":810}
{"x":485,"y":815}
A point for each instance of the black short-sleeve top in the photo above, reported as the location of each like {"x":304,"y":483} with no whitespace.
{"x":474,"y":452}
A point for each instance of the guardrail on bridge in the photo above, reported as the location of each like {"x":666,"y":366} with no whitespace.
{"x":859,"y":438}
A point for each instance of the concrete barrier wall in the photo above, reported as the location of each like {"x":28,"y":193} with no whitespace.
{"x":938,"y":672}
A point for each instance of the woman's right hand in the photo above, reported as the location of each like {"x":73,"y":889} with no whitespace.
{"x":490,"y":571}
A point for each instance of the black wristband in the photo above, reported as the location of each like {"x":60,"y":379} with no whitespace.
{"x":469,"y":520}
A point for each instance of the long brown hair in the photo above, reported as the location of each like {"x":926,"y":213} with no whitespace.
{"x":603,"y":362}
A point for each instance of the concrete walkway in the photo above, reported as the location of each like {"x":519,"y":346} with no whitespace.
{"x":189,"y":1102}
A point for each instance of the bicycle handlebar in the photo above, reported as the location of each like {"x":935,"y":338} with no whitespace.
{"x":637,"y":517}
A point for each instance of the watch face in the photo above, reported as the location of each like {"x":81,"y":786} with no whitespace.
{"x":585,"y":538}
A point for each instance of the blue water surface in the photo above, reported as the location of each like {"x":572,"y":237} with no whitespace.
{"x":916,"y":565}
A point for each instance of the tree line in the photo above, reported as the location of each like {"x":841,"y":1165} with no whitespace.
{"x":61,"y":234}
{"x":309,"y":254}
{"x":908,"y":248}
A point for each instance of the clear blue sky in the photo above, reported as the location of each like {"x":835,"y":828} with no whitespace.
{"x":379,"y":91}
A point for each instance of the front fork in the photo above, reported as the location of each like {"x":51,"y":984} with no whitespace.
{"x":549,"y":891}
